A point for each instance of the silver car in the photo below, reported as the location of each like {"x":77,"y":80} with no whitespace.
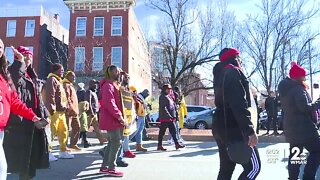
{"x":200,"y":121}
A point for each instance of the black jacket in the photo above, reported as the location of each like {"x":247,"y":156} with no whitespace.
{"x":92,"y":98}
{"x":167,"y":110}
{"x":297,"y":107}
{"x":233,"y":85}
{"x":25,"y":146}
{"x":272,"y":106}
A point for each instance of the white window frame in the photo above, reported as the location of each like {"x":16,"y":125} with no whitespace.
{"x":26,"y":32}
{"x":94,"y":27}
{"x":15,"y":28}
{"x":85,"y":26}
{"x":112,"y":60}
{"x":79,"y":62}
{"x":9,"y":50}
{"x":95,"y":62}
{"x":112,"y":28}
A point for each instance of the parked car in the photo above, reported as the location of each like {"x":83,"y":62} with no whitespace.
{"x":200,"y":121}
{"x":191,"y":109}
{"x":264,"y":118}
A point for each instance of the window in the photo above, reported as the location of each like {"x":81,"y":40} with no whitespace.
{"x":98,"y":26}
{"x":11,"y":28}
{"x":79,"y":58}
{"x":116,"y":26}
{"x":30,"y":48}
{"x":81,"y":26}
{"x":30,"y":25}
{"x":116,"y":56}
{"x":9,"y":55}
{"x":97,"y":59}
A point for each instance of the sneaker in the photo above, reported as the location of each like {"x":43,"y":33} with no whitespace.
{"x":122,"y":164}
{"x":114,"y":173}
{"x":65,"y":155}
{"x":52,"y":157}
{"x":104,"y":171}
{"x":129,"y":154}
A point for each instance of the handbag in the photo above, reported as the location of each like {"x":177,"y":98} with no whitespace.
{"x":238,"y":151}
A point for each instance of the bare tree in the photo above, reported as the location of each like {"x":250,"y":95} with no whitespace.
{"x":189,"y":37}
{"x":270,"y":38}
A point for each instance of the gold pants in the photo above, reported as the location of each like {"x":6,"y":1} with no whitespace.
{"x":59,"y":127}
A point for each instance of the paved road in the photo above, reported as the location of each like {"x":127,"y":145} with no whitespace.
{"x":198,"y":161}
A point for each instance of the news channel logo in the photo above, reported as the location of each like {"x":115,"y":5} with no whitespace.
{"x":276,"y":155}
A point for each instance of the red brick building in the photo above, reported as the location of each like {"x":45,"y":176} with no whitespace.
{"x":37,"y":29}
{"x":104,"y":32}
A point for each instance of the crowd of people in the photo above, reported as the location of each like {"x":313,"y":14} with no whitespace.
{"x":34,"y":112}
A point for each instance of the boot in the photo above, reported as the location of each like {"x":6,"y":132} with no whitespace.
{"x":161,"y":148}
{"x":85,"y":142}
{"x":178,"y":146}
{"x":139,"y":147}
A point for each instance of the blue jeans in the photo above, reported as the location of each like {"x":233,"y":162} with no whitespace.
{"x":140,"y":126}
{"x":126,"y":140}
{"x":3,"y":162}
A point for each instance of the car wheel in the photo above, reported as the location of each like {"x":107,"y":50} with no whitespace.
{"x":201,"y":125}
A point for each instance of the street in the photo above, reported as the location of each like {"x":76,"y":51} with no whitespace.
{"x":199,"y":160}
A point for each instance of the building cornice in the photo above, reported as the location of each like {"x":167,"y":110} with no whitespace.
{"x":93,"y":5}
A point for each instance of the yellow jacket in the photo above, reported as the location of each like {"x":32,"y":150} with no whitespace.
{"x":182,"y":112}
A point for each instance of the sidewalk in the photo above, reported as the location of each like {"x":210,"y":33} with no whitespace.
{"x":206,"y":135}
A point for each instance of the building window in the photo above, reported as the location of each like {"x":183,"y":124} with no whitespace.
{"x":79,"y":59}
{"x":9,"y":55}
{"x":116,"y":26}
{"x":116,"y":56}
{"x":11,"y":28}
{"x":81,"y":26}
{"x":30,"y":25}
{"x":98,"y":26}
{"x":97,"y":59}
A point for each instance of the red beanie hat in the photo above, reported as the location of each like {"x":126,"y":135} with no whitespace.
{"x":297,"y":71}
{"x":230,"y":53}
{"x":24,"y":50}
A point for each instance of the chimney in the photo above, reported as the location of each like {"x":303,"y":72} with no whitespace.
{"x":57,"y":17}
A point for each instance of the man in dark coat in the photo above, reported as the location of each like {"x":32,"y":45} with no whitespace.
{"x":272,"y":107}
{"x":300,"y":130}
{"x":26,"y":146}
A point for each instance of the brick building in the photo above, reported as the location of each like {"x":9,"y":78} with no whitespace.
{"x":104,"y":32}
{"x":37,"y":29}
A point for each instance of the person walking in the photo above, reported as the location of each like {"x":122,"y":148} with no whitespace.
{"x":55,"y":100}
{"x":272,"y":107}
{"x":233,"y":121}
{"x":72,"y":114}
{"x":10,"y":103}
{"x":300,"y":129}
{"x":111,"y":120}
{"x":141,"y":114}
{"x":25,"y":145}
{"x":92,"y":98}
{"x":167,"y":116}
{"x":83,"y":116}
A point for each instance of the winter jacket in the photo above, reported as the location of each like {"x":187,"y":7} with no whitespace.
{"x":272,"y":106}
{"x":182,"y":112}
{"x":111,"y":107}
{"x":81,"y":93}
{"x":25,"y":146}
{"x":297,"y":107}
{"x":92,"y":97}
{"x":71,"y":94}
{"x":167,"y":110}
{"x":10,"y":102}
{"x":232,"y":94}
{"x":55,"y":98}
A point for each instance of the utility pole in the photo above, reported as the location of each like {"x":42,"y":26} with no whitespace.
{"x":310,"y":69}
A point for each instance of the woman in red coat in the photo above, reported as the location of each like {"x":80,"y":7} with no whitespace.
{"x":9,"y":102}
